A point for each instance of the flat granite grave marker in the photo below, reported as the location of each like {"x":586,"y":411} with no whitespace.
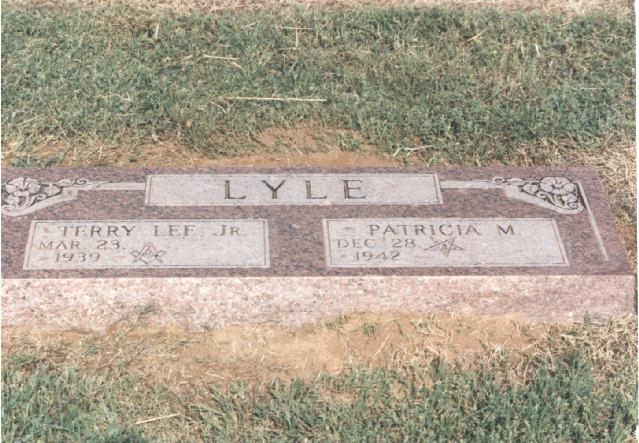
{"x":85,"y":248}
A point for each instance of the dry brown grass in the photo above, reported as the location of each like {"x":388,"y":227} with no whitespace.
{"x":304,"y":145}
{"x":258,"y":354}
{"x":213,"y":6}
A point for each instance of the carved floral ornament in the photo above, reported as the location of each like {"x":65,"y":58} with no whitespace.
{"x":558,"y":191}
{"x":24,"y":195}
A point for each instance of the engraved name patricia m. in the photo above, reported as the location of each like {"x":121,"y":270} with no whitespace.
{"x":24,"y":195}
{"x":96,"y":244}
{"x":443,"y":242}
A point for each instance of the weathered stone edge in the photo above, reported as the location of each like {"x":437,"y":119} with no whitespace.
{"x":199,"y":303}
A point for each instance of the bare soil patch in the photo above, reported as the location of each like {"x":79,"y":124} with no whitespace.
{"x":173,"y":385}
{"x":303,"y":145}
{"x":261,"y":353}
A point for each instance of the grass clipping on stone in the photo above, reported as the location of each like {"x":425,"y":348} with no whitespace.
{"x":441,"y":377}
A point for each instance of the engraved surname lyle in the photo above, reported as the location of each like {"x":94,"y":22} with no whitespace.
{"x":291,"y":189}
{"x":446,"y":242}
{"x":100,"y":244}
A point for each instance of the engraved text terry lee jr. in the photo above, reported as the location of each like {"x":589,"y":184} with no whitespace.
{"x":91,"y":244}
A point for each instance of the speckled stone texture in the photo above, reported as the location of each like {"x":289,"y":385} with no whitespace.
{"x":589,"y":273}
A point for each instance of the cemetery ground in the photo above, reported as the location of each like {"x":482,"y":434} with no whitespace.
{"x":140,"y":85}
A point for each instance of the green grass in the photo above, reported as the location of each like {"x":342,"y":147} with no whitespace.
{"x":559,"y":402}
{"x":61,"y":406}
{"x":468,"y":84}
{"x":556,"y":405}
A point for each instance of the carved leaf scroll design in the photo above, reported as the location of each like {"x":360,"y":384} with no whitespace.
{"x":21,"y":193}
{"x":557,"y":191}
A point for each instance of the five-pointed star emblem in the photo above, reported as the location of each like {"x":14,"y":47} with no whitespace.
{"x":444,"y":246}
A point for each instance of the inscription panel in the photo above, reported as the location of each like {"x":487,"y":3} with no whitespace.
{"x":291,"y":189}
{"x":443,"y":242}
{"x":99,"y":244}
